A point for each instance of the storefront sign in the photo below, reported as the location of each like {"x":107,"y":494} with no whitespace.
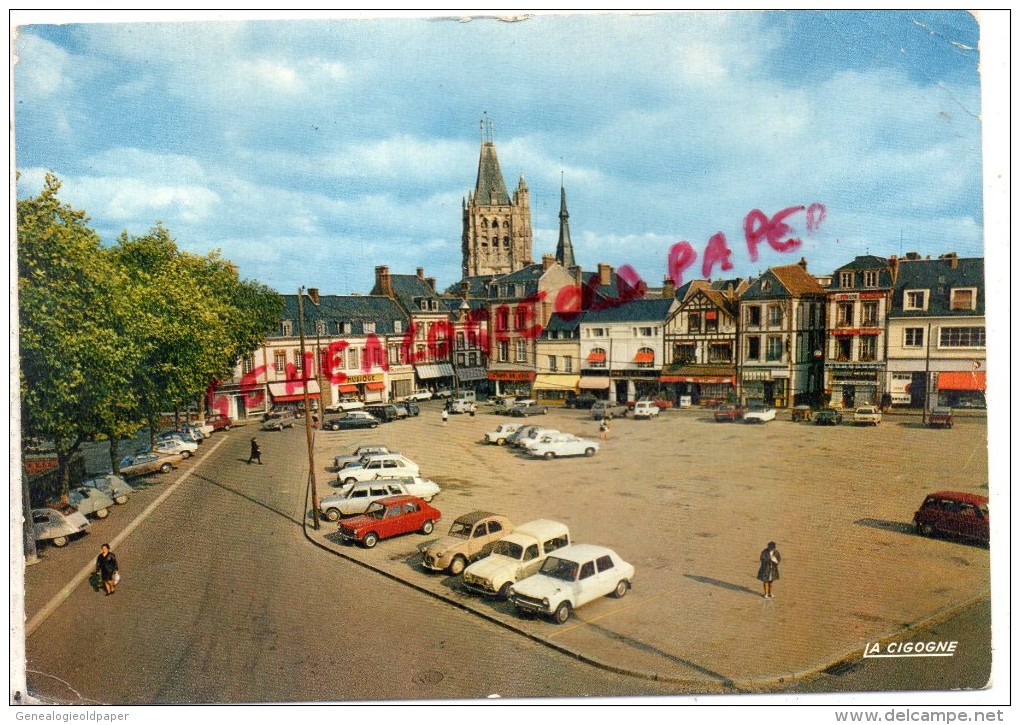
{"x":751,"y":375}
{"x":854,"y":376}
{"x":358,"y":379}
{"x":650,"y":374}
{"x":512,"y":376}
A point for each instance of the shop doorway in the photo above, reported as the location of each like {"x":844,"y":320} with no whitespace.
{"x":848,"y":396}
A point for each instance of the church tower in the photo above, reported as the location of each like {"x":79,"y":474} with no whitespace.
{"x":497,"y":230}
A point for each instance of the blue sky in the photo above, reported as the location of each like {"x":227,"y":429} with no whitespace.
{"x":309,"y":151}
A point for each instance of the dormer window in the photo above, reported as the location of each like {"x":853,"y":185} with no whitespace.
{"x":846,"y":279}
{"x":398,"y":326}
{"x":766,"y":285}
{"x":288,"y":328}
{"x":320,"y":327}
{"x":963,"y":298}
{"x":368,"y":328}
{"x":871,"y":279}
{"x":915,"y":299}
{"x":425,"y":305}
{"x":435,"y":305}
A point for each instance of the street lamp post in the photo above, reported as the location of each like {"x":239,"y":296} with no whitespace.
{"x":308,"y":410}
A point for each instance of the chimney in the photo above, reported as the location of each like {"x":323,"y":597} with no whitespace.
{"x":668,"y":288}
{"x":313,"y":295}
{"x":802,"y":264}
{"x":431,"y":282}
{"x":382,"y":281}
{"x":579,"y":276}
{"x":894,"y":267}
{"x":465,"y":289}
{"x":421,"y":273}
{"x":912,"y":256}
{"x":605,"y":274}
{"x":950,"y":258}
{"x":548,"y":260}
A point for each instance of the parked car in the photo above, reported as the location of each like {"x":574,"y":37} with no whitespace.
{"x":389,"y":465}
{"x":443,"y":393}
{"x":522,"y":432}
{"x":175,"y":445}
{"x":407,"y":409}
{"x":646,"y":409}
{"x":460,"y":405}
{"x":467,"y":395}
{"x":828,"y":416}
{"x":219,"y":421}
{"x":278,"y":420}
{"x":342,"y":406}
{"x":203,"y":428}
{"x":504,"y":404}
{"x":662,"y":403}
{"x":544,"y":436}
{"x":142,"y":464}
{"x":388,"y":517}
{"x":760,"y":414}
{"x":471,"y":537}
{"x":525,"y":408}
{"x":355,"y":499}
{"x":359,"y":453}
{"x":584,"y":401}
{"x":532,"y":434}
{"x":940,"y":417}
{"x":58,"y":525}
{"x":383,"y":413}
{"x":112,"y":485}
{"x":350,"y":422}
{"x":186,"y":433}
{"x":90,"y":500}
{"x":728,"y":413}
{"x":570,"y":578}
{"x":867,"y":415}
{"x":607,"y":409}
{"x":419,"y":395}
{"x":955,"y":514}
{"x":516,"y":556}
{"x":558,"y":447}
{"x":502,"y":432}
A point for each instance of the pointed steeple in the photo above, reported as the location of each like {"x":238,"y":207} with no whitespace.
{"x":490,"y":189}
{"x":564,"y":248}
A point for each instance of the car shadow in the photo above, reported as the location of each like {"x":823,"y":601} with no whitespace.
{"x":723,"y":585}
{"x":897,"y":527}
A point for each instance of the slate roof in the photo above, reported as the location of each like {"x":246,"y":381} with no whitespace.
{"x":788,"y":281}
{"x":355,"y":309}
{"x":939,"y":278}
{"x":646,"y":310}
{"x":528,"y":276}
{"x":559,"y":323}
{"x":490,"y":189}
{"x":865,"y":262}
{"x":478,"y":286}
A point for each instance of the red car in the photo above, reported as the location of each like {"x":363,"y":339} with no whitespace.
{"x":954,"y":514}
{"x":219,"y":421}
{"x":388,"y":517}
{"x":729,"y":413}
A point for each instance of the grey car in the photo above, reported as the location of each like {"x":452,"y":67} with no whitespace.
{"x":90,"y":501}
{"x":112,"y":485}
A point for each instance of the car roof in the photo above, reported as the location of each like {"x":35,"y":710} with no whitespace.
{"x":400,"y":498}
{"x":582,"y":552}
{"x":475,"y":516}
{"x":960,"y":496}
{"x":541,"y":528}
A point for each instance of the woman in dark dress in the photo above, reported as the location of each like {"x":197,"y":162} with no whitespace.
{"x":768,"y":571}
{"x":106,"y":568}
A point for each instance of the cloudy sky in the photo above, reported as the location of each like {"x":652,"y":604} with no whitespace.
{"x":311,"y":150}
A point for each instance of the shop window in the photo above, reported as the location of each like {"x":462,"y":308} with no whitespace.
{"x":913,"y":337}
{"x":869,"y":348}
{"x":683,"y":354}
{"x":962,"y":299}
{"x":843,"y":347}
{"x":845,"y":314}
{"x":774,"y":351}
{"x":693,"y":322}
{"x":720,"y":353}
{"x":869,"y":314}
{"x":754,"y":316}
{"x":962,"y":336}
{"x":754,"y":348}
{"x":915,"y":299}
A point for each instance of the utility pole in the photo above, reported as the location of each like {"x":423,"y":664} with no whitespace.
{"x":308,"y":410}
{"x":927,"y":373}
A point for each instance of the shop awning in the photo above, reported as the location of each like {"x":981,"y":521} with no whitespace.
{"x":471,"y":373}
{"x":347,"y":388}
{"x":961,"y":381}
{"x":438,"y":370}
{"x":706,"y":379}
{"x":644,"y":357}
{"x":293,"y":391}
{"x":591,"y":382}
{"x":597,"y":356}
{"x":375,"y":386}
{"x":556,"y":382}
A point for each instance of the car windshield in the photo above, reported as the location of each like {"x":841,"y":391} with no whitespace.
{"x":375,"y":511}
{"x":461,"y":529}
{"x":508,"y":548}
{"x":559,"y":569}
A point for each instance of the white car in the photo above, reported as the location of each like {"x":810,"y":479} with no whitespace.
{"x":548,"y":436}
{"x":867,"y":415}
{"x":570,"y":578}
{"x":535,"y":433}
{"x":516,"y":557}
{"x":563,"y":446}
{"x":760,"y":414}
{"x":90,"y":500}
{"x":343,"y":406}
{"x":502,"y":432}
{"x":203,"y":428}
{"x":176,"y":445}
{"x":113,"y":486}
{"x":419,"y":395}
{"x":359,"y":453}
{"x":391,"y":465}
{"x":645,"y":409}
{"x":58,"y":526}
{"x":354,"y":499}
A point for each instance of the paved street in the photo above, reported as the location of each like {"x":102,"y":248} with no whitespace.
{"x":224,"y":600}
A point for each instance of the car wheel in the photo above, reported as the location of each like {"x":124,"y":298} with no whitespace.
{"x":186,"y":454}
{"x":334,"y":427}
{"x":60,"y":541}
{"x":926,"y":530}
{"x":501,"y":442}
{"x":166,"y":468}
{"x":332,"y":514}
{"x":621,"y":589}
{"x":374,"y":425}
{"x":457,"y":565}
{"x":370,"y":540}
{"x":350,"y":480}
{"x":102,"y":513}
{"x":226,"y":427}
{"x":562,"y":613}
{"x":589,"y":452}
{"x":504,"y":591}
{"x":545,"y":411}
{"x":428,"y":527}
{"x":549,"y":455}
{"x":120,"y":500}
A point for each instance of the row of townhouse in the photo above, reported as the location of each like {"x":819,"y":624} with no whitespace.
{"x":903,"y":331}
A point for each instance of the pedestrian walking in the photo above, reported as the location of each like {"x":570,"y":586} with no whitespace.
{"x":768,"y":570}
{"x":604,"y":429}
{"x":107,"y":569}
{"x":472,"y":410}
{"x":445,"y":416}
{"x":256,"y":452}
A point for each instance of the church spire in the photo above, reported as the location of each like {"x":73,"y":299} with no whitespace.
{"x":564,"y":248}
{"x":490,"y":189}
